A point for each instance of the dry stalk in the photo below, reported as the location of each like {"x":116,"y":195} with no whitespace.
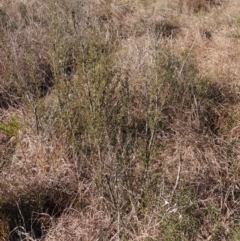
{"x":178,"y":177}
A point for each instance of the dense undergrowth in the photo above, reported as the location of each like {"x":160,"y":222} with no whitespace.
{"x":119,"y":120}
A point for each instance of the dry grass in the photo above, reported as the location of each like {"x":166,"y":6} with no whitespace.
{"x":119,"y":120}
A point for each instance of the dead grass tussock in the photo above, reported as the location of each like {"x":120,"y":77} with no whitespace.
{"x":99,"y":225}
{"x":39,"y":163}
{"x":38,"y":182}
{"x":76,"y":224}
{"x":201,"y":170}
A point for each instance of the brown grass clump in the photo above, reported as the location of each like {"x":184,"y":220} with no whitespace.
{"x":38,"y":182}
{"x":119,"y":120}
{"x":196,"y":6}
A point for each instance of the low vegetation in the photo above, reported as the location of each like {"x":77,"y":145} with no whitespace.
{"x":119,"y":120}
